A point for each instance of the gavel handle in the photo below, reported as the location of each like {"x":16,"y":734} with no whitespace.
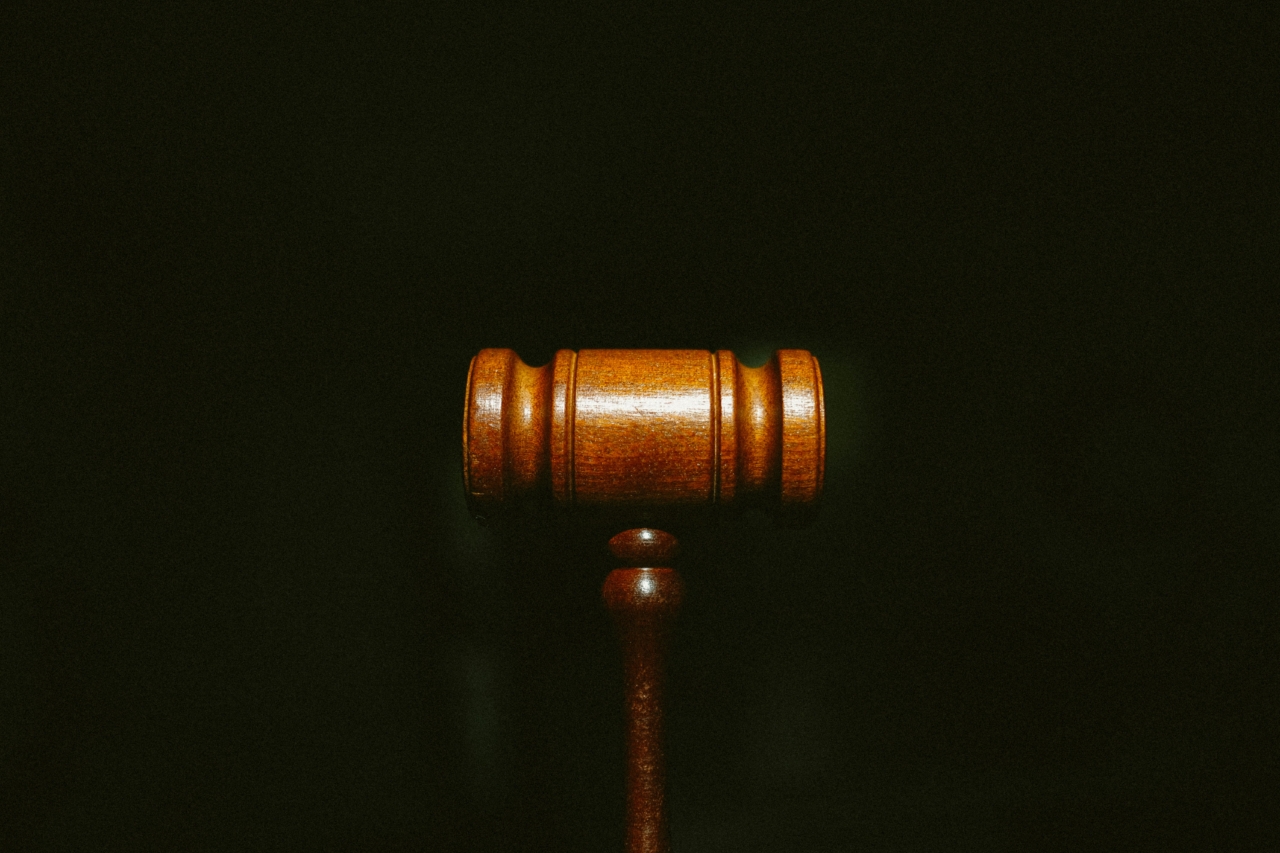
{"x":644,"y":603}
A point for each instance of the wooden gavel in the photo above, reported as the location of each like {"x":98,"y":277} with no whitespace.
{"x":643,"y":434}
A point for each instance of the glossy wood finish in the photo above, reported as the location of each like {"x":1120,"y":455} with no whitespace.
{"x":647,"y":433}
{"x":644,"y":600}
{"x":644,"y":547}
{"x":643,"y":428}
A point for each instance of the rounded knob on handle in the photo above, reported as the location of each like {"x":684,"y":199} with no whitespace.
{"x":644,"y":603}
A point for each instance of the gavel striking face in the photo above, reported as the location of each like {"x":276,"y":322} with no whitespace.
{"x":643,"y":434}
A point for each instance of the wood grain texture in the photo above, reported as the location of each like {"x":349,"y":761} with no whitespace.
{"x":644,"y":603}
{"x":635,"y":430}
{"x":803,"y":429}
{"x":644,"y":428}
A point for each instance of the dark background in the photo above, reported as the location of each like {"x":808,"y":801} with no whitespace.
{"x":246,"y":255}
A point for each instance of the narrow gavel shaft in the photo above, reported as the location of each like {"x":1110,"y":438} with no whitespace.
{"x":644,"y":603}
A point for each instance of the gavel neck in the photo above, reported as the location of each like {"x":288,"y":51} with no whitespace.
{"x":644,"y":603}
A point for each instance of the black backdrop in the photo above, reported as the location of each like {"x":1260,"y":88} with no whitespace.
{"x":248,"y":254}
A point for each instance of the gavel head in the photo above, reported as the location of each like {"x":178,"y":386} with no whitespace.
{"x":636,"y":431}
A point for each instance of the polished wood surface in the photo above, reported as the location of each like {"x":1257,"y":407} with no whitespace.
{"x":644,"y":434}
{"x":643,"y":428}
{"x":644,"y":599}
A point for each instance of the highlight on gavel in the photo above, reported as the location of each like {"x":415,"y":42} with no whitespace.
{"x":639,"y":434}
